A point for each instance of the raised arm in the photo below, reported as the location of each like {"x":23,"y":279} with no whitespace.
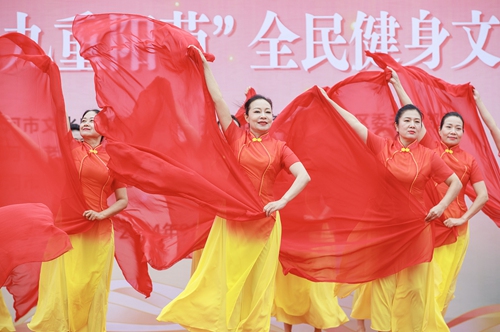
{"x":404,"y":99}
{"x":221,"y":107}
{"x":398,"y":87}
{"x":487,"y":119}
{"x":355,"y":124}
{"x":302,"y":178}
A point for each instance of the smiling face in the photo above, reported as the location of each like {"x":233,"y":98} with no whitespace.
{"x":452,"y":130}
{"x":259,"y":117}
{"x":87,"y":130}
{"x":409,"y":126}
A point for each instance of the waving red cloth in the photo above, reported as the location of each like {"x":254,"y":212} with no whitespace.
{"x":153,"y":229}
{"x":163,"y":138}
{"x":435,"y":98}
{"x":164,"y":143}
{"x":27,"y":236}
{"x":354,"y":222}
{"x":34,"y":168}
{"x":372,"y":88}
{"x":33,"y":119}
{"x":182,"y":137}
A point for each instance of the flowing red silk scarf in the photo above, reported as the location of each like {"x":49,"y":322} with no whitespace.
{"x":28,"y":237}
{"x":435,"y":98}
{"x":378,"y":116}
{"x":35,"y":180}
{"x":356,"y":223}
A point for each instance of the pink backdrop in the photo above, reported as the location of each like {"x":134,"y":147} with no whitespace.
{"x":283,"y":47}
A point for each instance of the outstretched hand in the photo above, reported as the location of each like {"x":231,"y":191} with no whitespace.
{"x":477,"y":97}
{"x":394,"y":80}
{"x":323,"y":92}
{"x":196,"y":49}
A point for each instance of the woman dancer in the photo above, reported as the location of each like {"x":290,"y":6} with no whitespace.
{"x":449,"y":258}
{"x":232,"y":288}
{"x":401,"y":302}
{"x":74,"y":288}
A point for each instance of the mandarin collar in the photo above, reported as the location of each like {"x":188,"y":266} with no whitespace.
{"x":251,"y":136}
{"x":90,"y":149}
{"x":454,"y":148}
{"x":409,"y":147}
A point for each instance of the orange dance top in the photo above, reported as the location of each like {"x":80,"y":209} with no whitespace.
{"x":262,"y":158}
{"x":465,"y":167}
{"x":413,"y":165}
{"x":97,"y":184}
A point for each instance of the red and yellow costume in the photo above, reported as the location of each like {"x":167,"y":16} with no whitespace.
{"x":448,"y":258}
{"x":354,"y":241}
{"x":334,"y":231}
{"x":233,"y":286}
{"x":405,"y":301}
{"x":301,"y":301}
{"x":74,"y":288}
{"x":33,"y":175}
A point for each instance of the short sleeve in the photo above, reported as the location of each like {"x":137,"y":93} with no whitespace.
{"x":233,"y":132}
{"x":117,"y":185}
{"x":288,"y":158}
{"x":440,"y":171}
{"x":475,"y":174}
{"x":375,"y":143}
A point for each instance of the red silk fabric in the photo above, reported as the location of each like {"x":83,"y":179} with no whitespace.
{"x":156,"y":230}
{"x":164,"y":132}
{"x":368,"y":96}
{"x":34,"y":174}
{"x":39,"y":167}
{"x":28,"y":237}
{"x":435,"y":97}
{"x":161,"y":143}
{"x":353,"y":223}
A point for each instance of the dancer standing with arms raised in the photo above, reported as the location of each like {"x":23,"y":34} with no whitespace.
{"x":232,"y":289}
{"x":449,"y":257}
{"x":400,"y":302}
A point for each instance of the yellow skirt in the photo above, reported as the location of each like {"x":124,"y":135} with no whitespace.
{"x":6,"y":324}
{"x":361,"y":302}
{"x":74,"y":288}
{"x":447,"y":264}
{"x":406,"y":301}
{"x":232,"y":288}
{"x":300,"y":301}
